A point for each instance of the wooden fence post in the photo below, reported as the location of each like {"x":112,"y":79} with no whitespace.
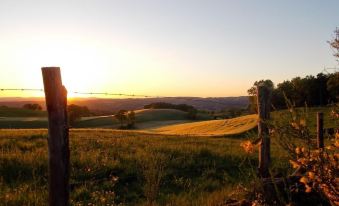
{"x":264,"y":105}
{"x":58,"y":146}
{"x":320,"y":130}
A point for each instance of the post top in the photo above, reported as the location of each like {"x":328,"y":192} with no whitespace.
{"x":52,"y":67}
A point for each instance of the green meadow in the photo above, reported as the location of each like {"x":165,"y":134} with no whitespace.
{"x":130,"y":168}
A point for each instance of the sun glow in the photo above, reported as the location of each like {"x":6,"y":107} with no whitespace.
{"x":87,"y":65}
{"x":78,"y":62}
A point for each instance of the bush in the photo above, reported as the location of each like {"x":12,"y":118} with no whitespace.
{"x":318,"y":168}
{"x":34,"y":107}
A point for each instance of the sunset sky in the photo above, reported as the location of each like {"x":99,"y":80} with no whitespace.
{"x":164,"y":47}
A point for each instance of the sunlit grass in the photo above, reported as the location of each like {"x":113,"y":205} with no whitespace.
{"x":128,"y":167}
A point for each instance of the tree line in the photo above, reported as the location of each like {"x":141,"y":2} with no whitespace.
{"x":319,"y":90}
{"x":164,"y":105}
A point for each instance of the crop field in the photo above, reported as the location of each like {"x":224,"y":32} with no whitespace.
{"x":212,"y":127}
{"x":131,"y":168}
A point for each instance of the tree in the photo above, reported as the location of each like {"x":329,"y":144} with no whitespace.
{"x":34,"y":107}
{"x":121,"y":116}
{"x":284,"y":89}
{"x":323,"y":95}
{"x":131,"y":119}
{"x":252,"y":92}
{"x":75,"y":112}
{"x":333,"y":82}
{"x":335,"y":44}
{"x":126,"y":118}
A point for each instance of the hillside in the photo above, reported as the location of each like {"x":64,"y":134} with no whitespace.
{"x":145,"y":118}
{"x":212,"y":127}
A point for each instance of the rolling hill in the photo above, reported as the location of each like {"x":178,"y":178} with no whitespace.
{"x":212,"y":127}
{"x":145,"y":118}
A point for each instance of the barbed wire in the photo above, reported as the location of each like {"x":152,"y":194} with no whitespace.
{"x":15,"y":89}
{"x":113,"y":94}
{"x":197,"y":99}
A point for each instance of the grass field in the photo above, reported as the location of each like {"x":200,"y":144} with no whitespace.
{"x":130,"y":168}
{"x":212,"y":127}
{"x":172,"y":166}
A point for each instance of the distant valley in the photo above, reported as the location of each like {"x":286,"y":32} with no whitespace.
{"x":103,"y":104}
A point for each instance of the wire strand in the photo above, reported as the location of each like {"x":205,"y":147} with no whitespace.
{"x":197,"y":99}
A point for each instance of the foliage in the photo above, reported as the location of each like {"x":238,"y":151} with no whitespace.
{"x":317,"y":170}
{"x":131,"y":119}
{"x":316,"y":91}
{"x":335,"y":43}
{"x":121,"y":116}
{"x":127,"y":117}
{"x":75,"y":112}
{"x":34,"y":107}
{"x":333,"y":85}
{"x":292,"y":125}
{"x":248,"y":146}
{"x":318,"y":167}
{"x":321,"y":168}
{"x":164,"y":105}
{"x":252,"y":92}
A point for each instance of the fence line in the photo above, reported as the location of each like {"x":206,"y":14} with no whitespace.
{"x":15,"y":89}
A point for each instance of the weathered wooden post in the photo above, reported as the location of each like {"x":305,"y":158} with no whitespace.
{"x":58,"y":146}
{"x":264,"y":105}
{"x":320,"y":130}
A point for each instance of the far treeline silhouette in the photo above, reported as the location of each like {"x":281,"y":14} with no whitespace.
{"x":319,"y":90}
{"x":164,"y":105}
